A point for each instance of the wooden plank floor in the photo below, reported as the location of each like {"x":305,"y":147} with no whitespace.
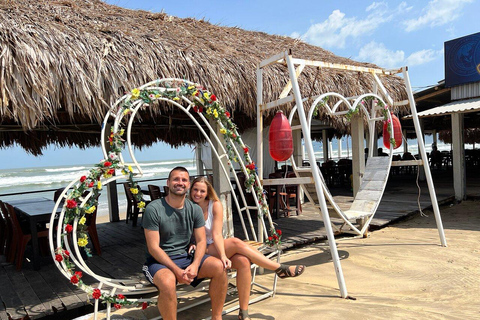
{"x":29,"y":294}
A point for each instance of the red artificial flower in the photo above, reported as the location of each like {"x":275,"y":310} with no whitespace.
{"x":78,"y":274}
{"x":120,"y":296}
{"x":250,"y":166}
{"x":96,"y":294}
{"x":275,"y":237}
{"x":245,"y":150}
{"x":213,"y":97}
{"x":83,"y":178}
{"x":90,"y":184}
{"x":110,"y":140}
{"x":107,"y":164}
{"x":111,"y":171}
{"x":71,"y":204}
{"x":227,"y":114}
{"x":279,"y":232}
{"x":197,"y":93}
{"x":200,"y":109}
{"x":270,"y":238}
{"x":68,"y":228}
{"x":195,"y":108}
{"x":144,"y":306}
{"x":58,"y":257}
{"x":117,"y":306}
{"x":74,"y":279}
{"x":66,"y":253}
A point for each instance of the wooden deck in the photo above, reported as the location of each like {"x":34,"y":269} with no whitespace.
{"x":29,"y":294}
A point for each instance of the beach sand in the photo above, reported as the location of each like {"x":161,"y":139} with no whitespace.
{"x":399,"y":272}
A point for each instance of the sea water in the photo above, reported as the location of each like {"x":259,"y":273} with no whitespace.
{"x":45,"y":178}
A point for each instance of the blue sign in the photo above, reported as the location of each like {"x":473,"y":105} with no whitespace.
{"x":462,"y":60}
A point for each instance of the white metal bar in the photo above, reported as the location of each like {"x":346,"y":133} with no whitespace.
{"x":402,"y":163}
{"x":277,"y":103}
{"x":272,"y":59}
{"x":318,"y":184}
{"x":288,"y":86}
{"x":423,"y":153}
{"x":338,"y":66}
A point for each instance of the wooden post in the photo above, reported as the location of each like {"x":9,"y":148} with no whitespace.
{"x":325,"y":145}
{"x":421,"y":175}
{"x":220,"y":183}
{"x":112,"y":194}
{"x":459,"y":174}
{"x":198,"y":159}
{"x":358,"y":152}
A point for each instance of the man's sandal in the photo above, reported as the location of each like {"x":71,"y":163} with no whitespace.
{"x":284,"y":271}
{"x":243,"y":315}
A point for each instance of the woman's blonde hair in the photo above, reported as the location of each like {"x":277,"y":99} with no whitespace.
{"x":211,"y":194}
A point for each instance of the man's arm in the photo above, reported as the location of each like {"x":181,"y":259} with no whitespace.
{"x":152,"y":238}
{"x":201,"y":240}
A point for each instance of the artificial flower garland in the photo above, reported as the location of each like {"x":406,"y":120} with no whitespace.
{"x":205,"y":103}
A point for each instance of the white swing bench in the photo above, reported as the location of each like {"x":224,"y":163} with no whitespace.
{"x":138,"y":291}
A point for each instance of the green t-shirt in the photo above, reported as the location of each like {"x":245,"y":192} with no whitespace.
{"x":175,"y":225}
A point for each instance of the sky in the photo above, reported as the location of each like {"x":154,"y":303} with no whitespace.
{"x":390,"y":34}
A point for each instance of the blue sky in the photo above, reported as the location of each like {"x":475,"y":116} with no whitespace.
{"x":389,"y":34}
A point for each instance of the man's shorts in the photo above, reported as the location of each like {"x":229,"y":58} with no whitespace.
{"x":151,"y":266}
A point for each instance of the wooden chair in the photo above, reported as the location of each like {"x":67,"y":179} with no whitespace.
{"x":21,"y":236}
{"x":91,"y":223}
{"x":5,"y":231}
{"x":132,"y":208}
{"x":155,"y":192}
{"x":287,"y":192}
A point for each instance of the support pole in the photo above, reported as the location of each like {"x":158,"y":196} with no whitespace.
{"x":316,"y":177}
{"x":198,"y":159}
{"x":423,"y":153}
{"x":358,"y":152}
{"x":260,"y":146}
{"x":112,"y":194}
{"x":325,"y":145}
{"x":458,"y":157}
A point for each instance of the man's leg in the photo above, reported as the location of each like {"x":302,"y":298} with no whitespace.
{"x":166,"y":283}
{"x":213,"y":268}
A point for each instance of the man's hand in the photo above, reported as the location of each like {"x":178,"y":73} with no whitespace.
{"x":191,"y":271}
{"x":182,"y":277}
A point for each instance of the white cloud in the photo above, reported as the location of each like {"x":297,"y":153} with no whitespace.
{"x":437,"y":13}
{"x":334,"y":32}
{"x":422,"y":57}
{"x":378,"y":54}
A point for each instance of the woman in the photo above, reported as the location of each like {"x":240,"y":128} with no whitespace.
{"x":233,"y":252}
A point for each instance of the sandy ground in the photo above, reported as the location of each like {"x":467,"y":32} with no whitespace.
{"x":399,"y":272}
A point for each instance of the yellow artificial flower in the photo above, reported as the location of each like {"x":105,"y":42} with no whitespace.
{"x":191,"y":87}
{"x":90,"y":210}
{"x":135,"y":93}
{"x":209,"y":111}
{"x":99,"y":185}
{"x":82,"y":242}
{"x":206,"y":95}
{"x":122,"y":131}
{"x":130,"y":168}
{"x":194,"y":93}
{"x":223,"y":131}
{"x":82,"y":220}
{"x":126,"y":111}
{"x":176,"y":99}
{"x":134,"y":190}
{"x":107,"y":175}
{"x":215,"y":113}
{"x":141,"y":205}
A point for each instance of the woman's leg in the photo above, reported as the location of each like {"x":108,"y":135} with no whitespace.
{"x":236,"y":246}
{"x":244,"y":278}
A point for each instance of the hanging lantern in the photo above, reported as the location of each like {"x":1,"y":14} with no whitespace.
{"x":397,"y":132}
{"x":280,"y":138}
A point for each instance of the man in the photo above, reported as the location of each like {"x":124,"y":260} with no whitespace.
{"x":168,"y":225}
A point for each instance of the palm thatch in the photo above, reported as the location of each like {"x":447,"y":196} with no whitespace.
{"x":63,"y":62}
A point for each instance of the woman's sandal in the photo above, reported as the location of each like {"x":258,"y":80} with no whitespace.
{"x":243,"y":315}
{"x":284,"y":271}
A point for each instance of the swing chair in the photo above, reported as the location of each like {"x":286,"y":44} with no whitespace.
{"x":375,"y":109}
{"x":200,"y":106}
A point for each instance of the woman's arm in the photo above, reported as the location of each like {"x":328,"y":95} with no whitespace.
{"x":217,"y":234}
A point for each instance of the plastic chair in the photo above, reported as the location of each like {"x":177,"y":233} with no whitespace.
{"x":21,"y":236}
{"x":155,"y":192}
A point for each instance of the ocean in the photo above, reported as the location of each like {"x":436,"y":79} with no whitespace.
{"x":45,"y":178}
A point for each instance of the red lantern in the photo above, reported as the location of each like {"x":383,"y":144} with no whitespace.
{"x":397,"y":132}
{"x":280,"y":138}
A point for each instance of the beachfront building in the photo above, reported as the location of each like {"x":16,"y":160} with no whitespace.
{"x":450,"y":109}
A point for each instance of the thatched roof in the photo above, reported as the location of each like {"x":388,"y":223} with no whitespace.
{"x":64,"y":62}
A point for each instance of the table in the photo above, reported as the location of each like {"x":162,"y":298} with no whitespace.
{"x":36,"y":210}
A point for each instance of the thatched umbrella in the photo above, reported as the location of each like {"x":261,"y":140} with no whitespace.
{"x":64,"y":62}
